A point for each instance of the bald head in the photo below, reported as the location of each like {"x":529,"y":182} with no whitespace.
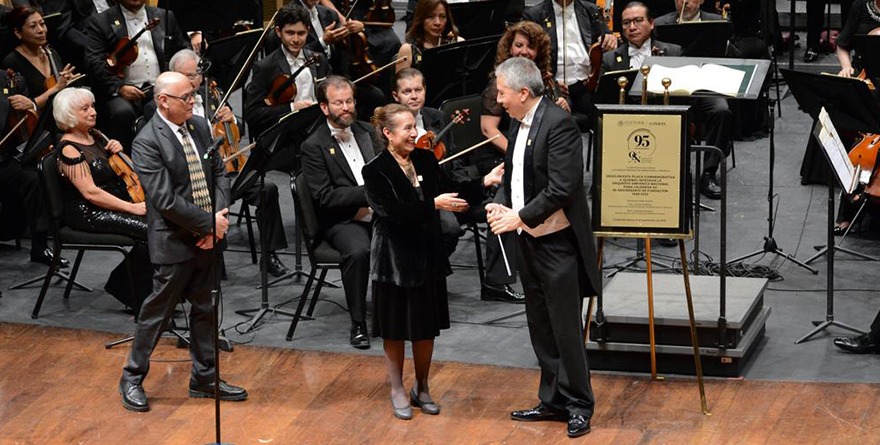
{"x":174,"y":96}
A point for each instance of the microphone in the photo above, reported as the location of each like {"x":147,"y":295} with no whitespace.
{"x":214,"y":146}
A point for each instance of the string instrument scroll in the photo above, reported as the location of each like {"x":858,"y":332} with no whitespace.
{"x":431,"y":141}
{"x":126,"y":50}
{"x":124,"y":168}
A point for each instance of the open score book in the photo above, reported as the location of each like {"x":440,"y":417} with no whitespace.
{"x":690,"y":78}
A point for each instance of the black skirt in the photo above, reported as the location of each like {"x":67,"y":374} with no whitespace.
{"x":410,"y":313}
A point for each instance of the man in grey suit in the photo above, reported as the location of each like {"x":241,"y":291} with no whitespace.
{"x":169,"y":157}
{"x":686,"y":11}
{"x":542,"y":199}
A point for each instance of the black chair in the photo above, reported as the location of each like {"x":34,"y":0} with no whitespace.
{"x":322,"y":256}
{"x":64,"y":237}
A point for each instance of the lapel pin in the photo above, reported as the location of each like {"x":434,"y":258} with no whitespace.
{"x":116,"y":22}
{"x":332,"y":151}
{"x":419,"y":178}
{"x":528,"y":142}
{"x":619,"y":59}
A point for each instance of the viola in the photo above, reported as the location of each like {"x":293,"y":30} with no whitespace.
{"x":283,"y":88}
{"x":228,"y":131}
{"x":124,"y":168}
{"x":126,"y":50}
{"x":427,"y":140}
{"x":23,"y":122}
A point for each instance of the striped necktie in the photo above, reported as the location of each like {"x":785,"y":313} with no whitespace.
{"x":196,"y":175}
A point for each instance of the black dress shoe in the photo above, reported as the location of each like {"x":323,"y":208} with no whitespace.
{"x":229,"y":393}
{"x":360,"y":339}
{"x":133,"y":397}
{"x":538,"y":413}
{"x":708,"y":187}
{"x":860,"y":344}
{"x":578,"y":425}
{"x":501,"y":293}
{"x":667,"y":242}
{"x":811,"y":55}
{"x":46,"y":256}
{"x":276,"y":267}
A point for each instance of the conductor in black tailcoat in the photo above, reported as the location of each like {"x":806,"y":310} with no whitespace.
{"x":542,"y":198}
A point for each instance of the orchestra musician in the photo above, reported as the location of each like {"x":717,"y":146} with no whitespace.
{"x":177,"y":179}
{"x":687,"y":11}
{"x":543,"y":202}
{"x":269,"y":220}
{"x":432,"y":26}
{"x":20,"y":185}
{"x":864,"y":16}
{"x":30,"y":56}
{"x":816,"y":24}
{"x":383,"y":42}
{"x":408,"y":267}
{"x":714,"y":112}
{"x":332,"y":159}
{"x":96,"y":198}
{"x":571,"y":37}
{"x":867,"y":343}
{"x":121,"y":100}
{"x":292,"y":27}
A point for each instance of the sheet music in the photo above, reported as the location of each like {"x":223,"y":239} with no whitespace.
{"x":836,"y":152}
{"x":690,"y":78}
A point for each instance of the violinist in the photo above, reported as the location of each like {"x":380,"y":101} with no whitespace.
{"x":292,"y":26}
{"x":573,"y":26}
{"x":95,"y":197}
{"x":864,"y":17}
{"x":714,"y":112}
{"x":269,"y":220}
{"x":121,"y":99}
{"x":432,"y":26}
{"x":20,"y":185}
{"x":31,"y":58}
{"x":376,"y":22}
{"x":325,"y":30}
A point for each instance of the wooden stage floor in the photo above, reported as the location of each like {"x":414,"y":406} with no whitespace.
{"x":58,"y":386}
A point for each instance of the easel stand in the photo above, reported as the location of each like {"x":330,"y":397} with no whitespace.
{"x":770,"y":245}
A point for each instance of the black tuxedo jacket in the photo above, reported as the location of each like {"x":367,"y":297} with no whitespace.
{"x":174,"y":221}
{"x":332,"y":183}
{"x":553,"y":180}
{"x":587,"y":13}
{"x":103,"y":32}
{"x":257,"y":113}
{"x":619,"y":58}
{"x":672,"y":18}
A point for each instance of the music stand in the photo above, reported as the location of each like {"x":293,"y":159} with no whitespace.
{"x":479,"y":18}
{"x":458,"y":69}
{"x":608,"y":91}
{"x":228,"y":55}
{"x":212,"y":15}
{"x":697,"y":39}
{"x":269,"y":145}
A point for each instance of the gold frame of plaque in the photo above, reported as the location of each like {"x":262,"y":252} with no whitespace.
{"x":641,"y":172}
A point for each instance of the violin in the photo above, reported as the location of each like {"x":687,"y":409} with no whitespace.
{"x":55,"y":76}
{"x":550,"y":87}
{"x":124,"y":168}
{"x":229,"y":132}
{"x":23,"y":123}
{"x":360,"y":63}
{"x":126,"y":50}
{"x":595,"y":55}
{"x":427,"y":140}
{"x":283,"y":89}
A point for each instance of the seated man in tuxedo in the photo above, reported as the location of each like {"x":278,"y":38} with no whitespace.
{"x":332,"y":158}
{"x":123,"y":97}
{"x":409,"y":90}
{"x":686,"y":11}
{"x":292,"y":25}
{"x":269,"y":220}
{"x":573,"y":26}
{"x":714,"y":112}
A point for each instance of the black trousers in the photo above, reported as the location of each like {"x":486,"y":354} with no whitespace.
{"x":715,"y":115}
{"x":352,"y":240}
{"x":192,"y":279}
{"x":553,"y":280}
{"x":268,"y":214}
{"x":20,"y":188}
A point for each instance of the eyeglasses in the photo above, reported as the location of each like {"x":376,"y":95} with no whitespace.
{"x":339,"y":103}
{"x":636,"y":21}
{"x":185,"y":98}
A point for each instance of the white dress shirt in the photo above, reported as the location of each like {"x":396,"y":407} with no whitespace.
{"x":420,"y":125}
{"x":101,"y":5}
{"x":319,"y":29}
{"x":355,"y":159}
{"x":305,"y":86}
{"x":637,"y":56}
{"x":572,"y":58}
{"x":145,"y":68}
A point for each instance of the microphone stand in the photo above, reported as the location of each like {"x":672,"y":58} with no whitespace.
{"x":211,"y":155}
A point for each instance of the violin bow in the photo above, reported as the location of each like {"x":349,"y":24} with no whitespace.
{"x":469,"y":149}
{"x":383,"y":67}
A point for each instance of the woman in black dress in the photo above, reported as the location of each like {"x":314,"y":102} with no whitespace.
{"x":408,"y":264}
{"x":432,"y":26}
{"x":31,"y":55}
{"x":864,"y":17}
{"x":95,"y":198}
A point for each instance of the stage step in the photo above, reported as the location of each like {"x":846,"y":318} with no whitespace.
{"x":626,"y":345}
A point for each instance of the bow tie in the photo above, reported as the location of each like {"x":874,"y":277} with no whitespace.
{"x":342,"y":134}
{"x":644,"y":50}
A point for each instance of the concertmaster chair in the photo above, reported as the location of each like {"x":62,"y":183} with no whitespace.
{"x":64,"y":237}
{"x":321,"y":255}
